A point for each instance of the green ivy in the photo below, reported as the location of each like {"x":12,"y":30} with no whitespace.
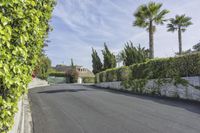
{"x":182,"y":66}
{"x":23,"y":29}
{"x":88,"y":80}
{"x":161,"y":71}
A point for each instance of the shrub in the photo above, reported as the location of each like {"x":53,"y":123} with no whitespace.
{"x":23,"y":29}
{"x":111,"y":75}
{"x":72,"y":75}
{"x":43,"y":67}
{"x":88,"y":80}
{"x":123,"y":73}
{"x":97,"y":78}
{"x":58,"y":74}
{"x":182,"y":66}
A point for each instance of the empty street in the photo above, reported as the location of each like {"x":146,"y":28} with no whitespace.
{"x":85,"y":109}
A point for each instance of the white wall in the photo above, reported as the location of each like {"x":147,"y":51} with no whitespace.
{"x":169,"y":90}
{"x":80,"y":80}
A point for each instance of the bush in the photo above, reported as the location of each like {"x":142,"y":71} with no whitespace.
{"x":58,"y":74}
{"x":88,"y":80}
{"x":182,"y":66}
{"x":23,"y":29}
{"x":72,"y":75}
{"x":43,"y":67}
{"x":123,"y":73}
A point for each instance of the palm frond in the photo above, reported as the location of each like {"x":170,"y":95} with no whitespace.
{"x":180,"y":21}
{"x":154,"y":8}
{"x":171,"y":27}
{"x":159,"y":19}
{"x":149,"y":12}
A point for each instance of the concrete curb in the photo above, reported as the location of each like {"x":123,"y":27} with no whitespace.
{"x":17,"y":118}
{"x":27,"y":121}
{"x":23,"y":118}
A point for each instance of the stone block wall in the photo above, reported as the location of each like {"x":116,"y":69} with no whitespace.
{"x":190,"y":92}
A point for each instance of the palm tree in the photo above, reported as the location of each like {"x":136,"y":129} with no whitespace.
{"x":179,"y":23}
{"x":147,"y":16}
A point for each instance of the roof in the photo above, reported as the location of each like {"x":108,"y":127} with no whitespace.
{"x":86,"y":73}
{"x":82,"y":72}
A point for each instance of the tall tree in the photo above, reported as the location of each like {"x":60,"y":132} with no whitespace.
{"x":179,"y":23}
{"x":72,"y":74}
{"x":148,"y":16}
{"x":72,"y":63}
{"x":132,"y":54}
{"x":43,"y":67}
{"x":96,"y":62}
{"x":109,"y":58}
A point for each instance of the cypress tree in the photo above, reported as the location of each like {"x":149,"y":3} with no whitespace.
{"x":109,"y":58}
{"x":132,"y":54}
{"x":96,"y":62}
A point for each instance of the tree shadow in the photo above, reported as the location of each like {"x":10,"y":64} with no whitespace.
{"x":62,"y":90}
{"x":192,"y":106}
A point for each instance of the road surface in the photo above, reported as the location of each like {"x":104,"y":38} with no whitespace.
{"x":85,"y":109}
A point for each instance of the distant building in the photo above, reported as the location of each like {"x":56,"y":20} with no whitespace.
{"x":82,"y":72}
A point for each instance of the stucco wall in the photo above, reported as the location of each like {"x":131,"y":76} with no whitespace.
{"x":168,"y":89}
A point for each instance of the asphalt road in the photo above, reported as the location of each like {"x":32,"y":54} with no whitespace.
{"x":85,"y":109}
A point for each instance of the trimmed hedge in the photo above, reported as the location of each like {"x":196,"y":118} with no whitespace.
{"x":88,"y":80}
{"x":58,"y":74}
{"x":23,"y":29}
{"x":182,"y":66}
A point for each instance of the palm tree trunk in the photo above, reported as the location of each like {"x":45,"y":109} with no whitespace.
{"x":151,"y":46}
{"x":180,"y":40}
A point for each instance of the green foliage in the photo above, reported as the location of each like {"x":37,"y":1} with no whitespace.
{"x":109,"y":58}
{"x":57,"y":74}
{"x":182,"y":66}
{"x":43,"y":67}
{"x":23,"y":29}
{"x":72,"y":63}
{"x":179,"y":23}
{"x":72,"y":75}
{"x":149,"y":12}
{"x":158,"y":71}
{"x":122,"y":73}
{"x":96,"y":62}
{"x":147,"y":16}
{"x":197,"y":47}
{"x":132,"y":55}
{"x":88,"y":80}
{"x":136,"y":85}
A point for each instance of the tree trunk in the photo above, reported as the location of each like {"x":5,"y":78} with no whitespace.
{"x":180,"y":40}
{"x":151,"y":46}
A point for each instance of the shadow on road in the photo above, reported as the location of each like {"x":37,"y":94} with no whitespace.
{"x":63,"y":90}
{"x":192,"y":106}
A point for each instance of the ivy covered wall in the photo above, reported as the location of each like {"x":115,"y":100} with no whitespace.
{"x":23,"y":29}
{"x":152,"y":76}
{"x":174,"y":67}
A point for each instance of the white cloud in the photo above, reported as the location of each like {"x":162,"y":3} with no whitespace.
{"x":82,"y":24}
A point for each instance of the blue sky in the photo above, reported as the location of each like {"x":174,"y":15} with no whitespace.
{"x":80,"y":25}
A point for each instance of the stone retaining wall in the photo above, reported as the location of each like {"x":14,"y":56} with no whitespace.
{"x":189,"y":92}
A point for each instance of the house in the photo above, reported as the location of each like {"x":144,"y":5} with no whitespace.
{"x":82,"y":72}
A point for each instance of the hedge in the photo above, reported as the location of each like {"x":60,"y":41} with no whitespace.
{"x":23,"y":29}
{"x":182,"y":66}
{"x":88,"y":80}
{"x":58,"y":74}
